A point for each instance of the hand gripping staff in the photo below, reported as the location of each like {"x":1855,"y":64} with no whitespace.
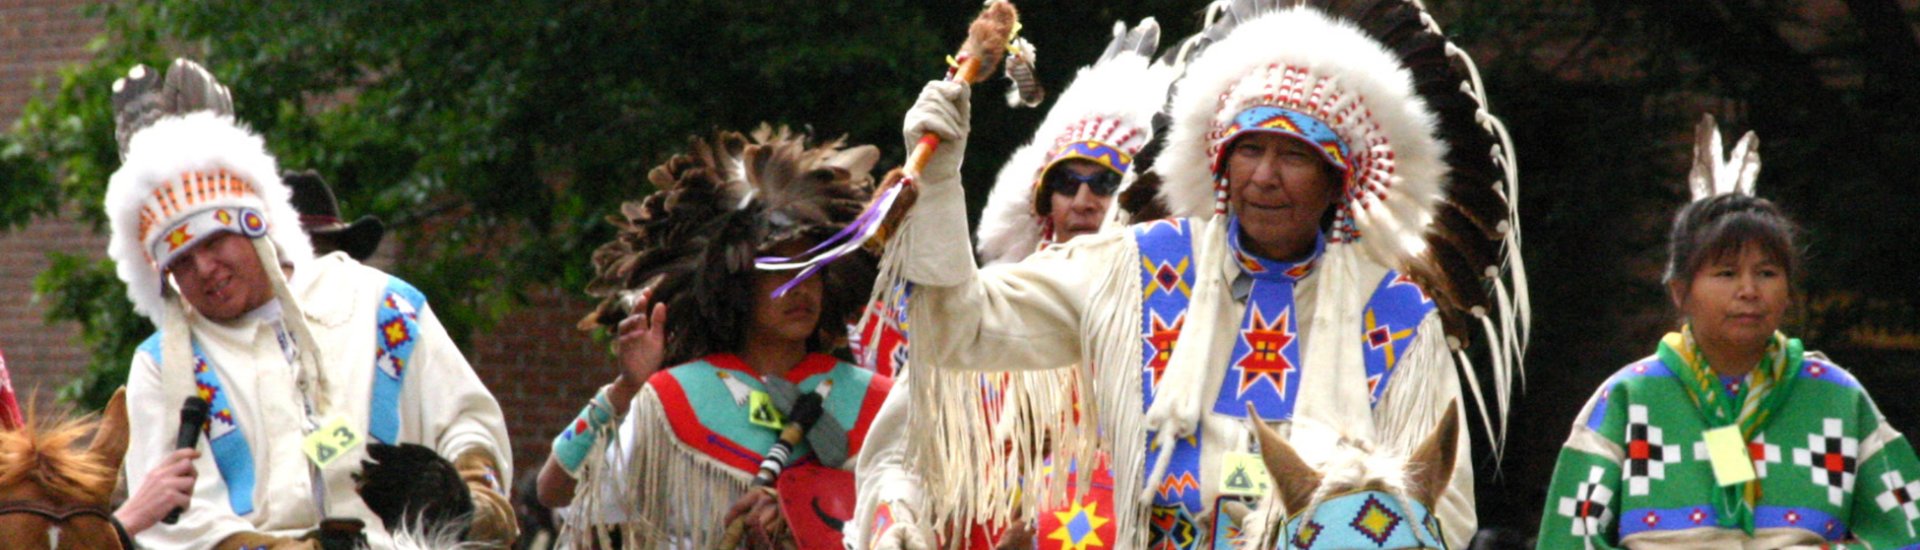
{"x":806,"y":410}
{"x":988,"y":39}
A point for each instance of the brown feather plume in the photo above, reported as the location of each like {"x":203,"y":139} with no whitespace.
{"x":143,"y":97}
{"x":716,"y":207}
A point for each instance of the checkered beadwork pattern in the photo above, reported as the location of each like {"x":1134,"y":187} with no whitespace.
{"x":1832,"y":458}
{"x":1900,"y":494}
{"x":1588,"y":508}
{"x":1647,"y":454}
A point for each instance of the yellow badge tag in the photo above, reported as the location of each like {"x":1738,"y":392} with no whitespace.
{"x":1728,"y":452}
{"x":333,"y":439}
{"x":1244,"y":474}
{"x":761,"y":412}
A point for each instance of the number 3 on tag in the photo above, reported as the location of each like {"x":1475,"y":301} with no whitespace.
{"x":333,"y":439}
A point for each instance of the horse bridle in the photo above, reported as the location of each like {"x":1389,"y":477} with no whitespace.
{"x":62,"y":513}
{"x":1420,"y":527}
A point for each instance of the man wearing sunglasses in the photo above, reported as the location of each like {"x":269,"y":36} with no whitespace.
{"x":1061,"y":184}
{"x":1079,"y":192}
{"x":1304,"y":170}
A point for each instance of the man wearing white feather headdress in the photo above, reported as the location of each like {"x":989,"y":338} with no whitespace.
{"x":1058,"y":186}
{"x":290,"y":351}
{"x":1345,"y":202}
{"x":1061,"y":184}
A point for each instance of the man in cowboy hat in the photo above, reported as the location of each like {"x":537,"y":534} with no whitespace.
{"x":320,"y":217}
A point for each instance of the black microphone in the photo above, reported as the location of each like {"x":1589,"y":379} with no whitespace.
{"x":193,"y":415}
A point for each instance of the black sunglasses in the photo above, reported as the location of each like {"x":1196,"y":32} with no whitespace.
{"x":1067,"y":182}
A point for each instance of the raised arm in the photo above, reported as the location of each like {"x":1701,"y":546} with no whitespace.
{"x":640,"y":345}
{"x":1013,"y":317}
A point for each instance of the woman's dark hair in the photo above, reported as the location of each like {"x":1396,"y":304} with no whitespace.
{"x":1722,"y":225}
{"x":711,"y":308}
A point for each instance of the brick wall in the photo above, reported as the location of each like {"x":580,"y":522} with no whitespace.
{"x":40,"y":357}
{"x":37,"y":37}
{"x":541,"y":370}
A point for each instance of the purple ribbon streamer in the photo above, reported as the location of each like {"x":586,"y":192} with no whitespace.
{"x":862,"y":228}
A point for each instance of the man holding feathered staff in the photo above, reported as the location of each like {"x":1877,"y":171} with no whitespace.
{"x":1059,"y":186}
{"x":1338,"y":226}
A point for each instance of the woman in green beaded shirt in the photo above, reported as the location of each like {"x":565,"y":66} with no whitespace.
{"x":1731,"y":435}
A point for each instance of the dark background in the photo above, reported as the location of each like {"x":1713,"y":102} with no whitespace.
{"x":493,"y":136}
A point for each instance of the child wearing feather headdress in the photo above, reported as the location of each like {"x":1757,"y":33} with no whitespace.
{"x":743,"y":347}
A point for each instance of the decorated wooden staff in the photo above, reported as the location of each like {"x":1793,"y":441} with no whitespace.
{"x":988,"y":39}
{"x":986,"y":43}
{"x":806,"y":411}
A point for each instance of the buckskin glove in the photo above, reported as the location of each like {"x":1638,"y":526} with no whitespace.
{"x":259,"y":541}
{"x":940,"y":209}
{"x":493,"y":517}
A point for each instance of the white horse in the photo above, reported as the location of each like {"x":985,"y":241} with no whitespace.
{"x":1359,"y":497}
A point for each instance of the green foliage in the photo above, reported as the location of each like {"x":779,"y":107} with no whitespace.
{"x":494,"y":136}
{"x":86,"y":292}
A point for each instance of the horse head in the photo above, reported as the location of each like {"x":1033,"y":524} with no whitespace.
{"x":1358,"y":497}
{"x":54,"y":495}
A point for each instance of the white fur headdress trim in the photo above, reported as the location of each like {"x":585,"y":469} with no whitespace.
{"x":1302,"y":60}
{"x":155,"y":189}
{"x":1111,"y":102}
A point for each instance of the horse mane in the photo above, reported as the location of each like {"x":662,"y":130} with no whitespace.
{"x":46,"y":453}
{"x":1347,"y":462}
{"x":415,"y":533}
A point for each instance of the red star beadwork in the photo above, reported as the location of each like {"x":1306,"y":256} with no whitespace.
{"x":1161,"y":338}
{"x":177,"y":238}
{"x":1266,"y":342}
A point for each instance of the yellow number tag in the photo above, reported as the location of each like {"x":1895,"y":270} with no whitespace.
{"x":1728,"y":452}
{"x":761,"y":412}
{"x":1244,"y":474}
{"x":333,"y":439}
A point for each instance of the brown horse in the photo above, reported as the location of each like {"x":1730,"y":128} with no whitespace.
{"x":54,"y":495}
